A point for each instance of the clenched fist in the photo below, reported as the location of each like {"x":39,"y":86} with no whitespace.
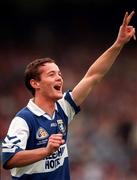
{"x":55,"y":141}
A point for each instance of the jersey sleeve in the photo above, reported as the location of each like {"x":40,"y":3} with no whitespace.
{"x":15,"y":140}
{"x":69,"y":106}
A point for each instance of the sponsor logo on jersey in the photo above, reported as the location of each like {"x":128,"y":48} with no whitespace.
{"x":53,"y":124}
{"x":54,"y":161}
{"x":61,"y":126}
{"x":41,"y":134}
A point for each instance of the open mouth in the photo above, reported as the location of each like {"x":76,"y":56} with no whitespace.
{"x":57,"y":87}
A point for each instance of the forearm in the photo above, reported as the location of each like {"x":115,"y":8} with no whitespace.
{"x":101,"y":66}
{"x":27,"y":157}
{"x":105,"y":61}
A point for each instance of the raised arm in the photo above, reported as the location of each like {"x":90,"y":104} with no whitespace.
{"x":101,"y":66}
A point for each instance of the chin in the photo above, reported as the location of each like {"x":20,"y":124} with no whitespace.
{"x":59,"y":96}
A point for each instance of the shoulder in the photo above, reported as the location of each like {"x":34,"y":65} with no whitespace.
{"x":23,"y":112}
{"x":26,"y":115}
{"x":67,"y":101}
{"x":17,"y":125}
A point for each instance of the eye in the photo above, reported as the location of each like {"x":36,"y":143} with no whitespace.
{"x":51,"y":74}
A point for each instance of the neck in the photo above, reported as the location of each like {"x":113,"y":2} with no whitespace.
{"x":46,"y":105}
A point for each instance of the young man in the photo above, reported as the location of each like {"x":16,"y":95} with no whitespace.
{"x":35,"y":145}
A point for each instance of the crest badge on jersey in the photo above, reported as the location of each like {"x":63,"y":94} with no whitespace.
{"x":41,"y":134}
{"x":61,"y":126}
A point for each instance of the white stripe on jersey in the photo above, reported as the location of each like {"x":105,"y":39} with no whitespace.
{"x":11,"y":150}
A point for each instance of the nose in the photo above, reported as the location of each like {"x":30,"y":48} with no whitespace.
{"x":59,"y":77}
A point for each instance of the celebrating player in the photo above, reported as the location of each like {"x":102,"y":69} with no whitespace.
{"x":35,"y":145}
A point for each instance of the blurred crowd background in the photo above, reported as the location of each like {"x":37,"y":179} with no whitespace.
{"x":103,"y":137}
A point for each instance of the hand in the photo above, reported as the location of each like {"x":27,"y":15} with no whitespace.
{"x":126,"y":32}
{"x":55,"y":141}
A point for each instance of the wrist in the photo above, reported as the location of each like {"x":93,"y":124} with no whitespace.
{"x":118,"y":44}
{"x":45,"y":152}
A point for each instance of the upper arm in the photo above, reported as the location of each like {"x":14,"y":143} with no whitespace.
{"x":16,"y":139}
{"x":83,"y":88}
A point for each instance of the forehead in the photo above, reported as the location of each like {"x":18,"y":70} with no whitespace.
{"x":47,"y":67}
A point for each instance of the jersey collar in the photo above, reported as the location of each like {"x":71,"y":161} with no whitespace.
{"x":37,"y":110}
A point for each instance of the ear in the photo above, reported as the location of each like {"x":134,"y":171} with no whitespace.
{"x":34,"y":83}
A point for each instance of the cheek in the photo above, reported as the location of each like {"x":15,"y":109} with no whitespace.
{"x":46,"y":90}
{"x":47,"y":85}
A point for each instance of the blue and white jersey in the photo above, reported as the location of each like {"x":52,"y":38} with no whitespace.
{"x":31,"y":129}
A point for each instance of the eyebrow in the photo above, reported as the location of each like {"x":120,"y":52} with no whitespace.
{"x":52,"y":71}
